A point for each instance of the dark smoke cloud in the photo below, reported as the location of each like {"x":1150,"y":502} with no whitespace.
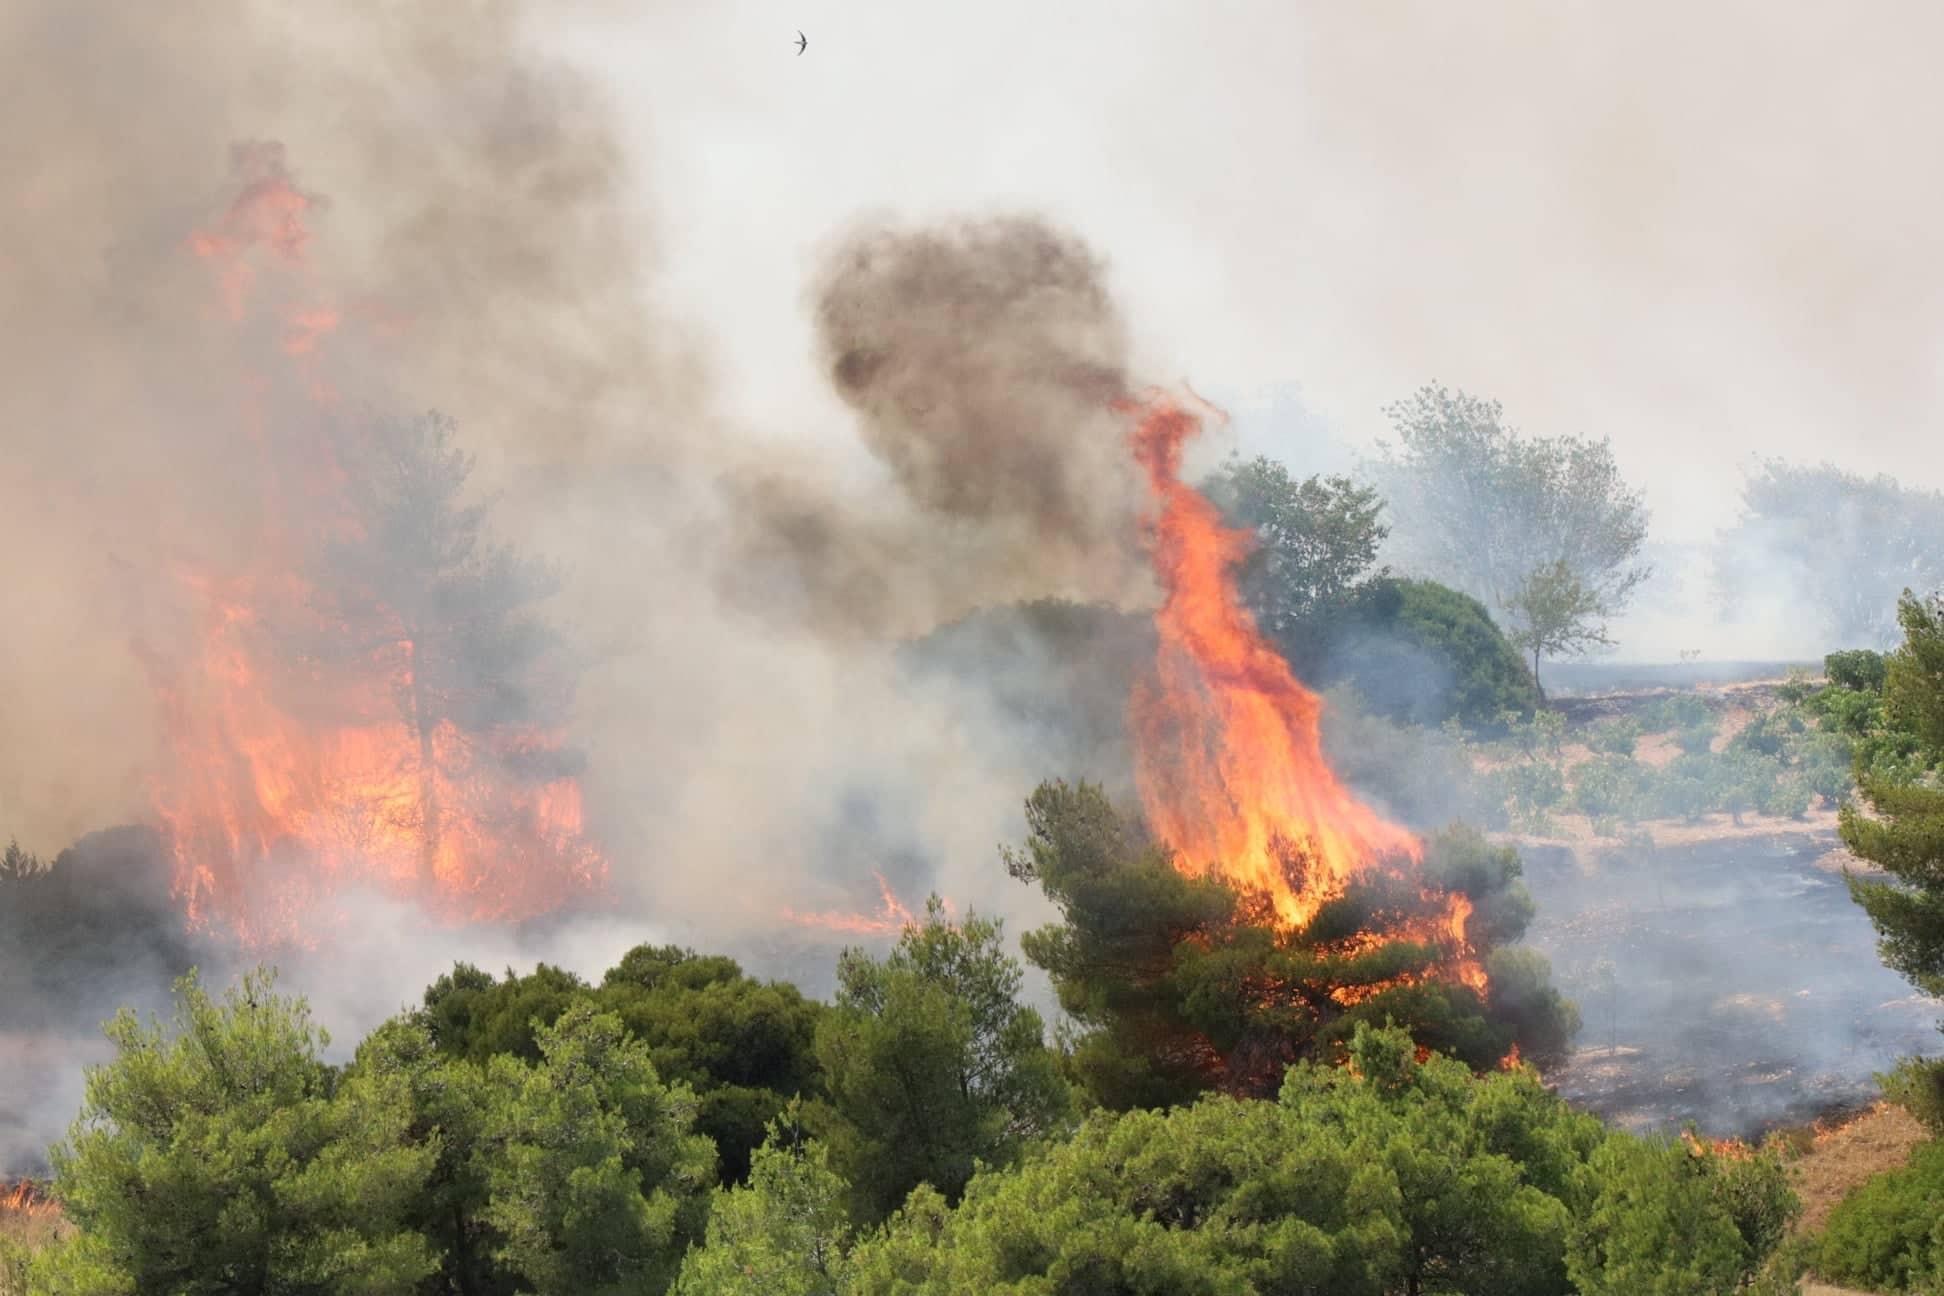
{"x":981,"y":360}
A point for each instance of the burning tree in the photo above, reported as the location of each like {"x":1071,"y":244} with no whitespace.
{"x":1185,"y":983}
{"x":1271,"y":909}
{"x":374,"y":698}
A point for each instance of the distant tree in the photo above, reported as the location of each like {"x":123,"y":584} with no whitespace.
{"x":1182,"y":984}
{"x":1904,"y":833}
{"x":1479,"y":507}
{"x":1827,"y":543}
{"x":784,"y":1234}
{"x":932,"y":1064}
{"x":1554,"y":614}
{"x":1317,"y":539}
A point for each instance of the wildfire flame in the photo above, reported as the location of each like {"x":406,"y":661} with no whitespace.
{"x":25,"y":1199}
{"x":892,"y":917}
{"x":293,"y":774}
{"x":1228,"y":752}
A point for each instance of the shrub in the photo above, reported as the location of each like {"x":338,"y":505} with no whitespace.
{"x":1607,"y":786}
{"x":1848,"y":710}
{"x":1859,"y":668}
{"x":1675,"y":711}
{"x":1696,"y":739}
{"x":1884,"y":1235}
{"x":1534,"y":787}
{"x":1917,"y":1085}
{"x":1770,"y":734}
{"x":1826,"y":762}
{"x":1421,"y":652}
{"x":1614,"y":737}
{"x":1684,"y":788}
{"x":1787,"y":797}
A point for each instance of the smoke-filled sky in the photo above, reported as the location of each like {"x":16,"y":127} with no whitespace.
{"x":1706,"y":231}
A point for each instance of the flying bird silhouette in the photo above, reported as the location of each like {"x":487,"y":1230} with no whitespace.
{"x":801,"y":44}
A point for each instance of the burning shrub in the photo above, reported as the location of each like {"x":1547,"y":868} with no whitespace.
{"x":1185,"y":983}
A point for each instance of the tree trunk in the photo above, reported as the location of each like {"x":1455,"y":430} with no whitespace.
{"x":1535,"y":677}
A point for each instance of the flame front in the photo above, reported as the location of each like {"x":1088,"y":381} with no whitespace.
{"x":307,"y":749}
{"x":1228,"y":747}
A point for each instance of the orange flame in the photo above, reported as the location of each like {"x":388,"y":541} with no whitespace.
{"x":25,"y":1199}
{"x":891,"y":919}
{"x":1229,"y":761}
{"x":288,"y":777}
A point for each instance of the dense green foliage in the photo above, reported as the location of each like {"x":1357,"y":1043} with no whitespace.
{"x":224,"y":1156}
{"x":932,"y":1064}
{"x":1183,"y":984}
{"x":1391,"y":1176}
{"x":745,"y":1047}
{"x":1317,"y":541}
{"x":1904,"y":833}
{"x":1888,"y":1235}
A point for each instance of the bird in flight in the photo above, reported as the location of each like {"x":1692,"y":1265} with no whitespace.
{"x":801,"y":44}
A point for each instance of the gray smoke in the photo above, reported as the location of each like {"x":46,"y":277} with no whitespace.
{"x":981,"y":360}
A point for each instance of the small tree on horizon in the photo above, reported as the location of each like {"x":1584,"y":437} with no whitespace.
{"x":1555,"y":613}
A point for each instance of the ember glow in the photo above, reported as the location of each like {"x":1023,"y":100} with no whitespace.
{"x":1228,"y":750}
{"x":325,"y":731}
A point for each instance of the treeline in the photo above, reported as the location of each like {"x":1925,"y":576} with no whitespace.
{"x":1231,"y":1109}
{"x":931,"y":1144}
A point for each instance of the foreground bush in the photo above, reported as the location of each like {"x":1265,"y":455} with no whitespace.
{"x":224,"y":1156}
{"x":1889,"y":1234}
{"x":1393,"y":1176}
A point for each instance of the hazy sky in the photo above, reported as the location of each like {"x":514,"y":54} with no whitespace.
{"x":1704,"y":231}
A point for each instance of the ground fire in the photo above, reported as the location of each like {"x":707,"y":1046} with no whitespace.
{"x":1227,"y":746}
{"x":359,"y":708}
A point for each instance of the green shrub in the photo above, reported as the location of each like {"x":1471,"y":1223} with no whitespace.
{"x":1848,"y":711}
{"x":1770,"y":734}
{"x":1684,"y":788}
{"x":1917,"y":1085}
{"x":1675,"y":711}
{"x":1742,"y":781}
{"x":1797,"y":688}
{"x":1859,"y":669}
{"x":1787,"y":797}
{"x":1608,"y":786}
{"x":1421,"y":652}
{"x":1534,"y":787}
{"x":1697,"y":739}
{"x":1826,"y":761}
{"x":1614,"y":737}
{"x":1884,"y":1236}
